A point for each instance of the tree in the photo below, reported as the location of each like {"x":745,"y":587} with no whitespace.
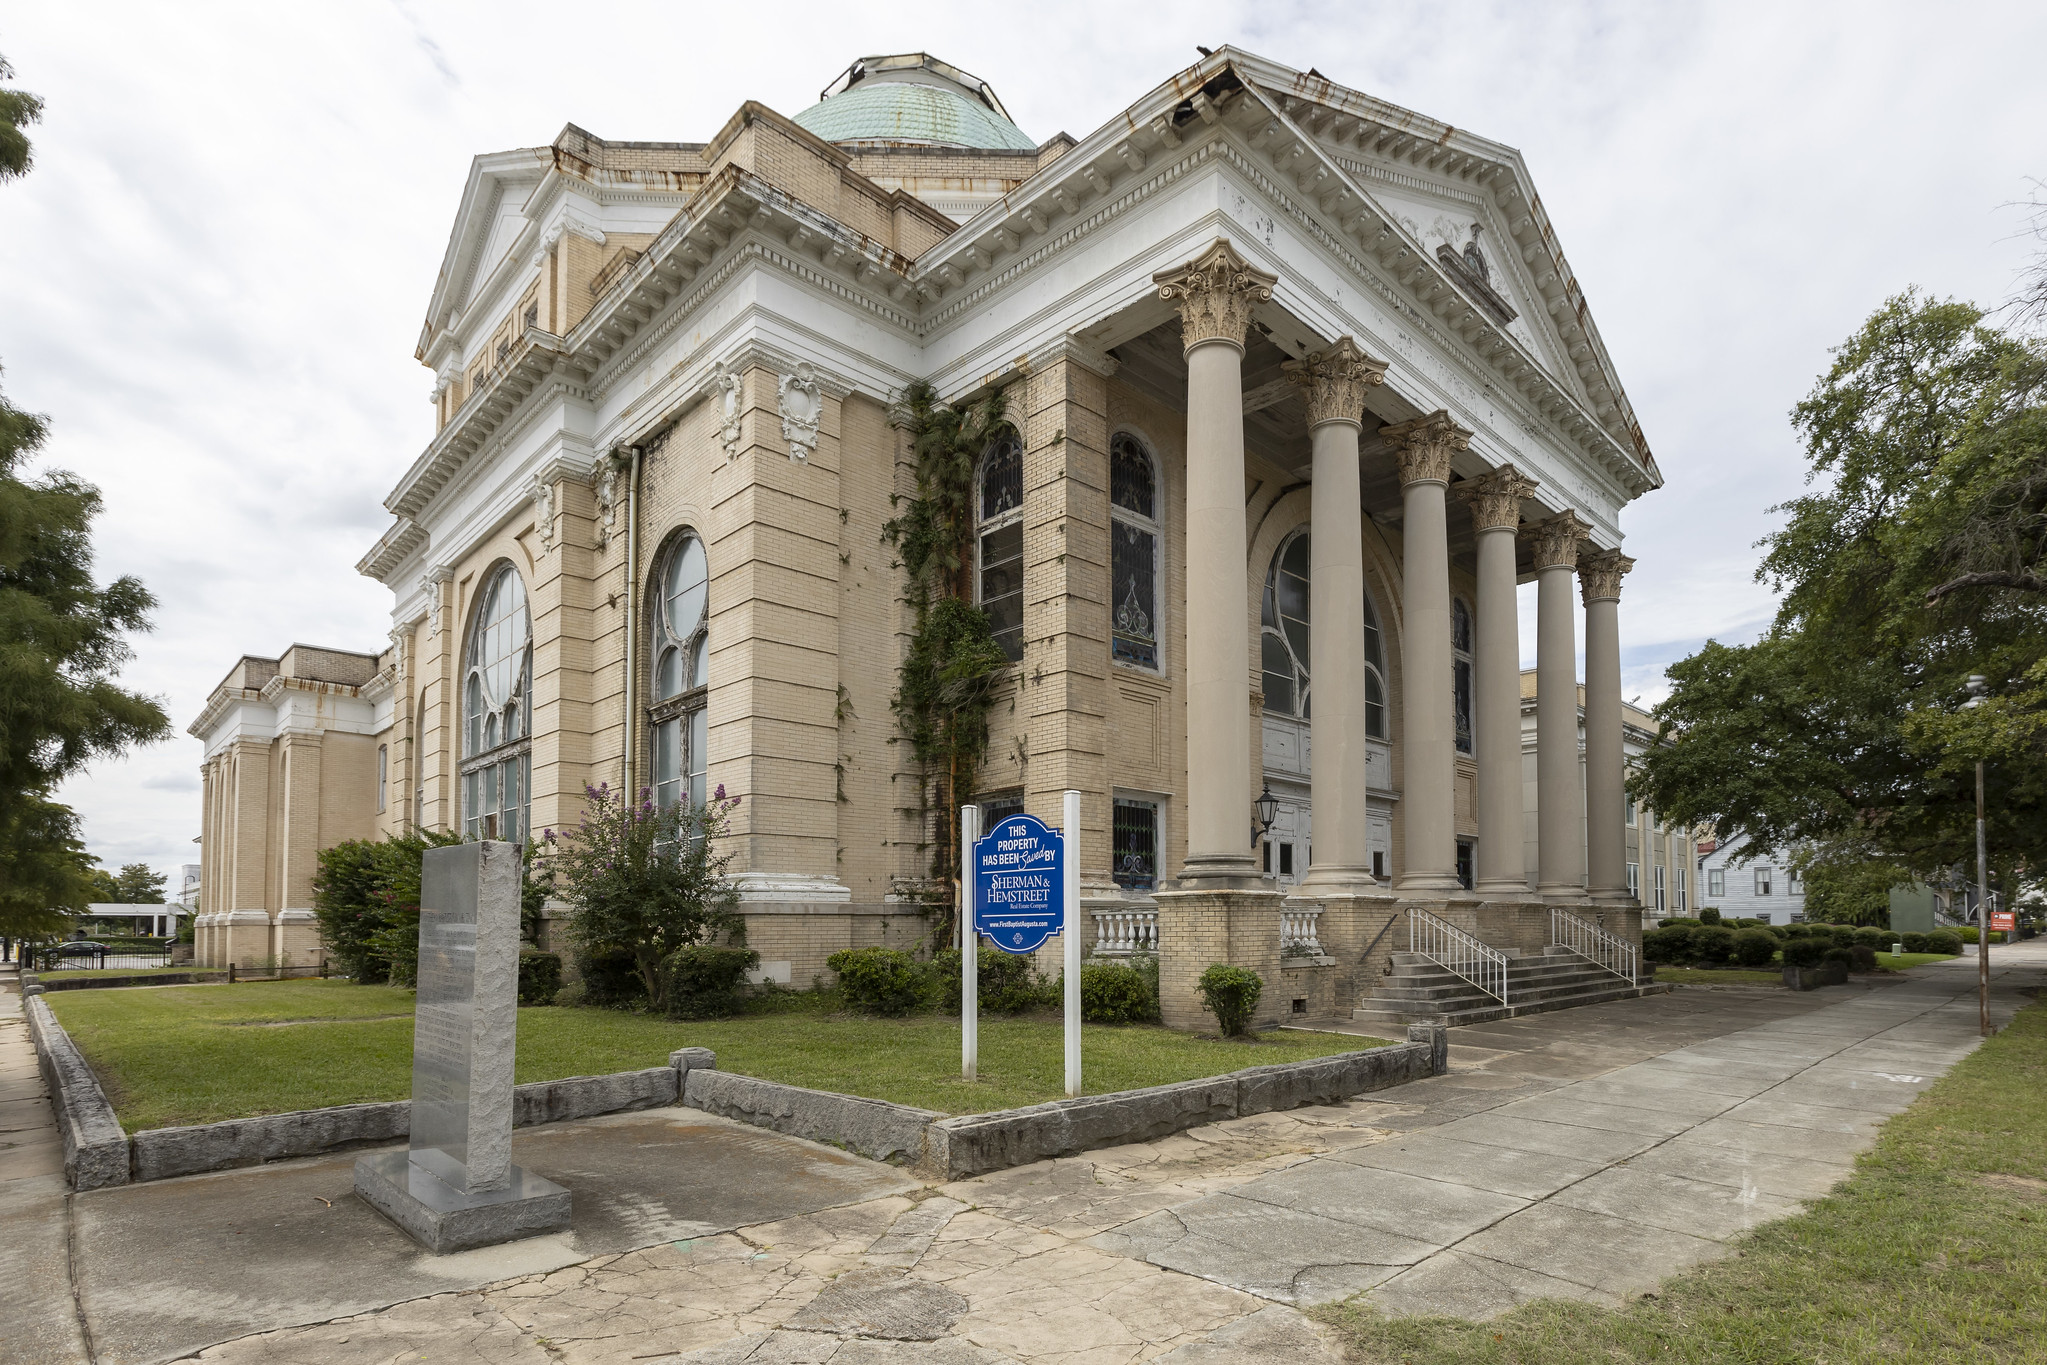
{"x":139,"y":886}
{"x":648,"y":883}
{"x":62,"y":641}
{"x":1918,"y":558}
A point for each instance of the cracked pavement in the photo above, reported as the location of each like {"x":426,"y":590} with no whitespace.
{"x":1582,"y":1154}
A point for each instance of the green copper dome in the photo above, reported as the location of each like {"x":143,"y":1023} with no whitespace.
{"x":917,"y":105}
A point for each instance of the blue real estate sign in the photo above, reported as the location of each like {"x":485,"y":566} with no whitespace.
{"x":1019,"y":883}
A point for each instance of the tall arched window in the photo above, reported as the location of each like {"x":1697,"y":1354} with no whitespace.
{"x":497,"y":712}
{"x":1134,"y":551}
{"x":1283,"y":629}
{"x":1000,"y":524}
{"x":682,"y":670}
{"x":1375,"y":674}
{"x":1460,"y":671}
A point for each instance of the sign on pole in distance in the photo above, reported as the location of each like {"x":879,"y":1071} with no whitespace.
{"x":2005,"y":920}
{"x":1019,"y":884}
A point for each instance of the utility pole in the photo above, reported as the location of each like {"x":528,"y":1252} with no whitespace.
{"x":1979,"y":690}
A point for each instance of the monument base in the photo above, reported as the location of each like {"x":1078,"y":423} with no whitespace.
{"x":443,"y":1218}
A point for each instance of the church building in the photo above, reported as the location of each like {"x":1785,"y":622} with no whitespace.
{"x":1301,"y":383}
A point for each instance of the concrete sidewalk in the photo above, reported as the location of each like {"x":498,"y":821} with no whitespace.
{"x":1583,"y":1154}
{"x":38,"y":1320}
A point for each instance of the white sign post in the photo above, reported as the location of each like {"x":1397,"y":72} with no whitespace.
{"x":970,"y":947}
{"x":1071,"y":830}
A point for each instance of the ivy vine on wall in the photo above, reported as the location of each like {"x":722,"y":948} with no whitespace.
{"x":947,"y":680}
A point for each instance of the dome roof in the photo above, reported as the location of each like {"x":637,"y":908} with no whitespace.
{"x":919,"y":104}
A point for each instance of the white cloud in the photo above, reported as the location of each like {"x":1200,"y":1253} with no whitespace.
{"x":215,"y":276}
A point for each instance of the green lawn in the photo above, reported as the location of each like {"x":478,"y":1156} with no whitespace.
{"x":1930,"y":1253}
{"x":196,"y":1054}
{"x":1899,"y":962}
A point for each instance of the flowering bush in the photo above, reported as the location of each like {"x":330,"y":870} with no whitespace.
{"x":648,"y":883}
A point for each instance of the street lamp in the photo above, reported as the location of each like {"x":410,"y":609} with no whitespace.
{"x":1263,"y":812}
{"x":1979,"y":692}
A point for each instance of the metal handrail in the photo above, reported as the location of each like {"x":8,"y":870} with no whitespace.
{"x":1455,"y":951}
{"x":1588,"y":940}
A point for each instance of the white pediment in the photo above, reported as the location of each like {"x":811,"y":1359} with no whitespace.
{"x":1445,"y":222}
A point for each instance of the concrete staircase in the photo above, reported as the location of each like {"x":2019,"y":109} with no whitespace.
{"x":1420,"y":992}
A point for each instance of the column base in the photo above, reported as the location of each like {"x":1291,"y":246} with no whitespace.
{"x":444,"y":1219}
{"x":1221,"y":872}
{"x":1340,"y":881}
{"x":1563,"y":894}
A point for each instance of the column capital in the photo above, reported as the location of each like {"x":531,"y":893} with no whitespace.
{"x":1215,"y":292}
{"x":1334,"y":381}
{"x":1600,"y":573}
{"x":1424,"y":447}
{"x":1495,"y":498}
{"x":1557,"y":540}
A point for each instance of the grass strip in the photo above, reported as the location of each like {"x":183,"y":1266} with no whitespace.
{"x":188,"y":1054}
{"x":1931,"y":1252}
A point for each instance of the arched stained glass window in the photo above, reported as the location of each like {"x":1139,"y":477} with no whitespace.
{"x":1283,"y":629}
{"x":681,"y":651}
{"x":497,"y":712}
{"x":1000,"y":541}
{"x":1134,"y":551}
{"x":1460,"y":671}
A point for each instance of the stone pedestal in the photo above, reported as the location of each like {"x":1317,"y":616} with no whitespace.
{"x":1200,"y":928}
{"x":455,"y":1186}
{"x":1357,"y":930}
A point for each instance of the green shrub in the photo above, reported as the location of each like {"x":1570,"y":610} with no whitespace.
{"x":883,"y":981}
{"x":1796,"y":930}
{"x":1863,"y":957}
{"x":1754,"y":947}
{"x":1876,"y":940}
{"x":1231,"y":995}
{"x":540,"y":976}
{"x":366,"y":900}
{"x":1709,"y":915}
{"x":1844,"y":956}
{"x":1671,"y":944}
{"x":1914,"y":943}
{"x":1804,"y":952}
{"x":1843,"y":935}
{"x":1711,"y":944}
{"x":1743,"y":923}
{"x":1009,"y":983}
{"x":647,"y":880}
{"x":611,"y":980}
{"x":1113,"y":993}
{"x":704,"y":981}
{"x":1944,"y":941}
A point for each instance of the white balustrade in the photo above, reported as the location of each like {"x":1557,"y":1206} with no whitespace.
{"x":1456,"y":951}
{"x":1588,"y":940}
{"x":1299,"y":932}
{"x":1119,"y":933}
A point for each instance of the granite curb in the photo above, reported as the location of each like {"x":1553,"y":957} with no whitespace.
{"x":98,"y":1153}
{"x":955,"y":1147}
{"x":95,"y":1148}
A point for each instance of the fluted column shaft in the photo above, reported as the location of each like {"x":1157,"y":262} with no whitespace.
{"x":1335,"y":381}
{"x":1560,"y":798}
{"x":1427,"y":739}
{"x":1215,"y":294}
{"x":1496,"y":517}
{"x":1606,"y":856}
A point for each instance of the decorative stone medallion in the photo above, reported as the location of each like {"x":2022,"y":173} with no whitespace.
{"x":800,"y":400}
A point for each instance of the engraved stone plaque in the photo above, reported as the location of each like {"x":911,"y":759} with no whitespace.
{"x":456,"y":1186}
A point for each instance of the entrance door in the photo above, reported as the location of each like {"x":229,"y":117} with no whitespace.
{"x":1285,"y":852}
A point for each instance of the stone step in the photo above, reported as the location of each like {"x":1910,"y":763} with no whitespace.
{"x":1436,"y":996}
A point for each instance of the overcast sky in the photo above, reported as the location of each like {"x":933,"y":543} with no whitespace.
{"x":215,"y":277}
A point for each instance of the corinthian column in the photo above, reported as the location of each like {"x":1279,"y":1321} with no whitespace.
{"x":1428,"y":742}
{"x":1334,"y":382}
{"x":1599,"y":579}
{"x":1216,"y":292}
{"x":1495,"y":501}
{"x":1560,"y":808}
